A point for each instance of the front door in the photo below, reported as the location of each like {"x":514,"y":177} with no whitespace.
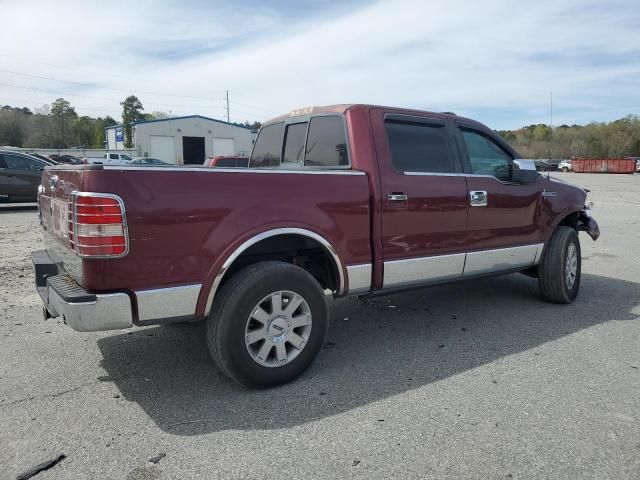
{"x":503,"y":228}
{"x":424,"y":198}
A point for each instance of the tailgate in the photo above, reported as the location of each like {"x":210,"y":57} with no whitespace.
{"x":53,"y":201}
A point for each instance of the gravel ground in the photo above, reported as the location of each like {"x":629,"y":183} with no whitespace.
{"x":475,"y":380}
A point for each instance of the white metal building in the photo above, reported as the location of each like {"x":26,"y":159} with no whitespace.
{"x":185,"y":140}
{"x":115,"y":137}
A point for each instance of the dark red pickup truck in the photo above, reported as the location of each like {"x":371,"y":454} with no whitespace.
{"x":340,"y":200}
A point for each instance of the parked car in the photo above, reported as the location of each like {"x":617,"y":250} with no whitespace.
{"x":225,"y":161}
{"x":20,"y":176}
{"x":546,"y":165}
{"x":352,"y":200}
{"x":47,"y":160}
{"x":148,"y":161}
{"x":110,"y":158}
{"x":68,"y":159}
{"x":637,"y":159}
{"x":564,"y":166}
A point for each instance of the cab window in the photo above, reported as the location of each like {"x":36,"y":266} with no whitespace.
{"x":326,"y":144}
{"x":486,"y":156}
{"x":419,"y":147}
{"x":268,"y":148}
{"x":294,"y":143}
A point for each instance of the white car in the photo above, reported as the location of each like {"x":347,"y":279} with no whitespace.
{"x":564,"y":166}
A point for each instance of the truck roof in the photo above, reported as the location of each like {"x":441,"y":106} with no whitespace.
{"x":343,"y":107}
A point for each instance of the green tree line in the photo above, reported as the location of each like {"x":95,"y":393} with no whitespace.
{"x":59,"y":126}
{"x":620,"y":138}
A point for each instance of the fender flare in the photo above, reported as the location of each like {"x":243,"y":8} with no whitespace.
{"x":273,"y":233}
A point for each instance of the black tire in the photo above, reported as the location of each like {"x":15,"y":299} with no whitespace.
{"x":565,"y":169}
{"x":553,"y":282}
{"x":233,"y":306}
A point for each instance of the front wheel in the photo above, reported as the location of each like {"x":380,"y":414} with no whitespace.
{"x":268,"y":324}
{"x":564,"y":169}
{"x":560,"y":267}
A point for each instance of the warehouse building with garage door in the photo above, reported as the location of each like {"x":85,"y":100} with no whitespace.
{"x":187,"y":140}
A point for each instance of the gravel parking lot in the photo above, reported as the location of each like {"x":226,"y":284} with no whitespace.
{"x":474,"y":380}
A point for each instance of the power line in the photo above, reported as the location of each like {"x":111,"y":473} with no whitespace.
{"x":93,"y":85}
{"x":90,"y":85}
{"x":57,"y":92}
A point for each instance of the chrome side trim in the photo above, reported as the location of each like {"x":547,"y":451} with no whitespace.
{"x":161,"y":303}
{"x":110,"y":311}
{"x":301,"y":171}
{"x":273,"y":233}
{"x":414,"y":271}
{"x":538,"y":256}
{"x":499,"y":259}
{"x":359,"y":278}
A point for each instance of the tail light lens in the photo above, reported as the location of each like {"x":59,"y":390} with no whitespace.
{"x":97,"y":225}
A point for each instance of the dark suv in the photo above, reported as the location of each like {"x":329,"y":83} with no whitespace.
{"x":20,"y":176}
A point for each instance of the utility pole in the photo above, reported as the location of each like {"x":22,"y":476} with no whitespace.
{"x":228,"y":121}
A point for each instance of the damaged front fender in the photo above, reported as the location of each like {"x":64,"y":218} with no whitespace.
{"x":587,"y":223}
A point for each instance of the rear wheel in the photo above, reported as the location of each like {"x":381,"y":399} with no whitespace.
{"x":560,"y":267}
{"x":564,"y":169}
{"x":268,"y":324}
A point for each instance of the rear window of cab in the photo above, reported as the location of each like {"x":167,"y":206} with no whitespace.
{"x":316,"y":142}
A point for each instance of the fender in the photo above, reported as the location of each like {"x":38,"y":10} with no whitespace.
{"x":584,"y":221}
{"x":255,"y":238}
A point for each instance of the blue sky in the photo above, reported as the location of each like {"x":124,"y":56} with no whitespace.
{"x":496,"y":61}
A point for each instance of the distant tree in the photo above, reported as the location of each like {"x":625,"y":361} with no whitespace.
{"x":63,"y":114}
{"x":156,"y":115}
{"x":109,"y":121}
{"x":12,"y":128}
{"x":84,"y":131}
{"x":131,"y":112}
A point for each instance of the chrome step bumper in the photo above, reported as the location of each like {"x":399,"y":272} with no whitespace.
{"x":81,"y":310}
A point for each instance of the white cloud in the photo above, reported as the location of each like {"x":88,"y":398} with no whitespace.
{"x":496,"y":60}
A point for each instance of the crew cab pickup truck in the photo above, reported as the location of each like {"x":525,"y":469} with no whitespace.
{"x":339,"y":200}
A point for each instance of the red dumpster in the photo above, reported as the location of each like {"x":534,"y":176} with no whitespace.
{"x":603,"y":165}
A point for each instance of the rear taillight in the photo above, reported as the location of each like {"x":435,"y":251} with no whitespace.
{"x":97,"y":225}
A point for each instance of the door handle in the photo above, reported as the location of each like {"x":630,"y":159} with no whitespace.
{"x":478,"y":198}
{"x":397,"y":197}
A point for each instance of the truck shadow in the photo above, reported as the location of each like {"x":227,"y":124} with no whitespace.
{"x":376,"y":349}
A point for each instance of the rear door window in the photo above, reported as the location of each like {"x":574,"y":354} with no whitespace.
{"x":419,"y":147}
{"x":17,"y":162}
{"x":294,"y":143}
{"x":113,"y":156}
{"x":268,"y":148}
{"x":326,"y":143}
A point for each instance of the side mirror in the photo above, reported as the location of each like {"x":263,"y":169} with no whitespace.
{"x":524,"y":171}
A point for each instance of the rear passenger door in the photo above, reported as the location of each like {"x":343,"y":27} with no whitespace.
{"x":424,"y":198}
{"x":503,"y":224}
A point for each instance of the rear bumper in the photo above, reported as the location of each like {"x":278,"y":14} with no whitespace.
{"x":81,"y":310}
